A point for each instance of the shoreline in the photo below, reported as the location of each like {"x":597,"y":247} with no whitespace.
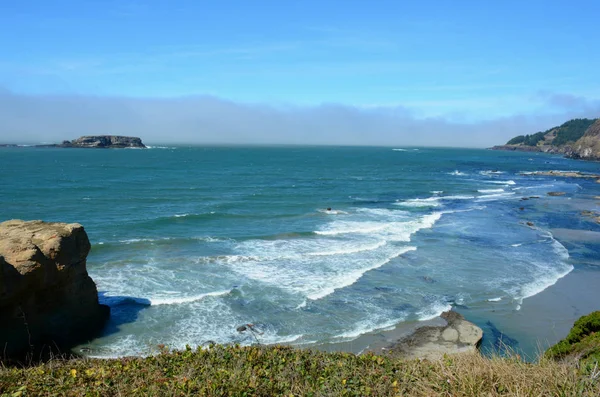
{"x":542,"y":319}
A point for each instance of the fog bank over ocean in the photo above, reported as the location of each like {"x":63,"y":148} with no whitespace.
{"x":210,"y":120}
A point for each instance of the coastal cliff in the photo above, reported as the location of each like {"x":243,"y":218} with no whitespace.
{"x":102,"y":142}
{"x":588,"y":146}
{"x":577,"y":138}
{"x":47,"y":298}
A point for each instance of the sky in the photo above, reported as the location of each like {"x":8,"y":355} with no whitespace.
{"x":437,"y":73}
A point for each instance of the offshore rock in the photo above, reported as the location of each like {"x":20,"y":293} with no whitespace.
{"x":48,"y":302}
{"x":103,"y":142}
{"x":457,"y":336}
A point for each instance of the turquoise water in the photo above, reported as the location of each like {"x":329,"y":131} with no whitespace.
{"x":188,"y":243}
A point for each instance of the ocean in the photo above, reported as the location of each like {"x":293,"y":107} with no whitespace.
{"x":314,"y":246}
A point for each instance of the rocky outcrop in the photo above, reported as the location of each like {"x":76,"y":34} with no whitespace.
{"x":588,"y":146}
{"x":102,"y":142}
{"x":457,"y":336}
{"x":47,"y":299}
{"x":517,"y":148}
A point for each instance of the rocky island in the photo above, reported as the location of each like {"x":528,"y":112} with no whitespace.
{"x":577,"y":139}
{"x":102,"y":142}
{"x":48,"y":302}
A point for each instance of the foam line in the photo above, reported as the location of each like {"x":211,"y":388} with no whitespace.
{"x":352,"y":277}
{"x":187,"y":299}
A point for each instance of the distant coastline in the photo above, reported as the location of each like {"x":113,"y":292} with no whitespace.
{"x":577,"y":139}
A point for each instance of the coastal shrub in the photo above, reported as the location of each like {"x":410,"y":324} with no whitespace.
{"x":527,"y":140}
{"x":280,"y":370}
{"x":582,"y":342}
{"x":516,"y":140}
{"x":571,"y":131}
{"x":568,"y":132}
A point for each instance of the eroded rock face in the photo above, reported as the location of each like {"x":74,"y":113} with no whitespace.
{"x":47,"y":298}
{"x":588,"y":146}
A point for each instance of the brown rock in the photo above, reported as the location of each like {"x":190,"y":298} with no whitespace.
{"x":566,"y":174}
{"x":588,"y":146}
{"x":595,"y":216}
{"x":47,"y":299}
{"x":457,"y":336}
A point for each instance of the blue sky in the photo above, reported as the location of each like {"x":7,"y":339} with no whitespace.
{"x":463,"y":61}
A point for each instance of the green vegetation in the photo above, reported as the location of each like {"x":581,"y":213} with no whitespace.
{"x":568,"y":368}
{"x":278,"y":370}
{"x":582,"y":344}
{"x":568,"y":132}
{"x":571,"y":131}
{"x":527,"y":140}
{"x":516,"y":140}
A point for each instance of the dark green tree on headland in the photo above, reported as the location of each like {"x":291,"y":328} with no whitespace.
{"x":528,"y":140}
{"x":568,"y":132}
{"x":571,"y":131}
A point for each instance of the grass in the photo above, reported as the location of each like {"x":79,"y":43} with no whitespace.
{"x":570,"y":368}
{"x":279,"y":370}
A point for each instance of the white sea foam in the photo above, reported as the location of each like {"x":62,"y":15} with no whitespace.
{"x":516,"y":245}
{"x":494,"y":197}
{"x":434,"y":311}
{"x":155,"y":301}
{"x":547,"y":276}
{"x":185,"y":215}
{"x":138,"y":240}
{"x":367,"y":326}
{"x":457,"y":197}
{"x":400,"y":150}
{"x":349,"y":250}
{"x":491,"y":172}
{"x":426,"y":202}
{"x":395,"y":230}
{"x":433,"y":201}
{"x":302,"y":305}
{"x":355,"y":227}
{"x":310,"y":267}
{"x":490,"y":190}
{"x":383,"y":212}
{"x":511,"y":182}
{"x":346,"y":279}
{"x":457,"y":173}
{"x":532,"y":187}
{"x":495,"y":299}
